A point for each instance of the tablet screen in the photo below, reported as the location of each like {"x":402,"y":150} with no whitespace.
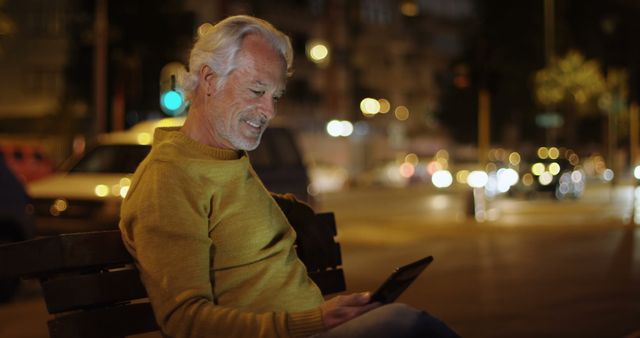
{"x":400,"y":280}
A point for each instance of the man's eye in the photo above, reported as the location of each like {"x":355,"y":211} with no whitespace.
{"x":276,"y":98}
{"x":257,"y":92}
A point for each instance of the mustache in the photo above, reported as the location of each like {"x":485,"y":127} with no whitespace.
{"x":250,"y":115}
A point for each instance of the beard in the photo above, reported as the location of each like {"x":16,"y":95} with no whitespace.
{"x":247,"y":132}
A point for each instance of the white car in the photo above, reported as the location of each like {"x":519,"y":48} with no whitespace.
{"x":87,"y":197}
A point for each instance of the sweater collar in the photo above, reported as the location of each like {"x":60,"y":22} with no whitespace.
{"x":173,"y":133}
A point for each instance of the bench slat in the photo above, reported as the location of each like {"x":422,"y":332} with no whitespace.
{"x":117,"y":321}
{"x":89,"y":290}
{"x":46,"y":255}
{"x":317,"y":246}
{"x":330,"y":281}
{"x":328,"y":222}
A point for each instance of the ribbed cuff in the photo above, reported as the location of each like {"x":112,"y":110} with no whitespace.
{"x":305,"y":324}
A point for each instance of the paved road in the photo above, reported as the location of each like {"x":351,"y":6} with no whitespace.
{"x":536,"y":269}
{"x":540,"y":268}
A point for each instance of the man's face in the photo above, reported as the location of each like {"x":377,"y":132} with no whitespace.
{"x":241,"y":110}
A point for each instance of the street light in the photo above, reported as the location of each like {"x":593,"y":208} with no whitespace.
{"x":318,"y":52}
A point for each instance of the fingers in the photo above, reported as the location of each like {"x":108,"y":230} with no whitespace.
{"x":357,"y":311}
{"x":346,"y":307}
{"x":354,"y":299}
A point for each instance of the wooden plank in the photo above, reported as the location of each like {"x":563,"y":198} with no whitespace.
{"x":317,"y":247}
{"x":28,"y":257}
{"x":65,"y":293}
{"x":45,"y":255}
{"x":326,"y":220}
{"x":117,"y":321}
{"x":329,"y":281}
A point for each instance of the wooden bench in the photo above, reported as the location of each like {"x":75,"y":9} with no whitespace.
{"x":92,"y":289}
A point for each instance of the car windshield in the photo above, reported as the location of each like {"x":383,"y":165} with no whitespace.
{"x":112,"y":158}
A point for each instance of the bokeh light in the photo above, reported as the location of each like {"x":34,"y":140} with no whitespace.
{"x":144,"y":138}
{"x":636,"y":172}
{"x":369,"y":106}
{"x":336,"y":128}
{"x":318,"y":52}
{"x":554,"y":168}
{"x":442,"y":179}
{"x":543,"y":152}
{"x":546,"y":178}
{"x":514,"y":158}
{"x":401,"y":113}
{"x":411,"y":158}
{"x":537,"y":169}
{"x":461,"y":176}
{"x":409,"y":8}
{"x":477,"y":179}
{"x":407,"y":169}
{"x":101,"y":190}
{"x":385,"y":106}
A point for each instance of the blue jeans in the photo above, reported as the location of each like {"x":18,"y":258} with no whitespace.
{"x":394,"y":320}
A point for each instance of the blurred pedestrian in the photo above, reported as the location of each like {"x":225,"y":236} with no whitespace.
{"x":215,"y":252}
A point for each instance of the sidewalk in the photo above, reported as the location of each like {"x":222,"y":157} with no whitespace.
{"x":568,"y":276}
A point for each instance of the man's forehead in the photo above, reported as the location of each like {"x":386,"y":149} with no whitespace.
{"x":261,"y":63}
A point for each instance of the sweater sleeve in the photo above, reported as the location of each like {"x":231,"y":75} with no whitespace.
{"x":165,"y":226}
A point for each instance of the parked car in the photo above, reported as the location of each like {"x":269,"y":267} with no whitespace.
{"x":16,"y":223}
{"x":87,"y":196}
{"x":279,"y":163}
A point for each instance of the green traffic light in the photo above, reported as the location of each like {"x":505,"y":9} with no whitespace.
{"x":172,"y":100}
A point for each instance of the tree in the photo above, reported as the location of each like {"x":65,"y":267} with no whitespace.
{"x":572,"y":84}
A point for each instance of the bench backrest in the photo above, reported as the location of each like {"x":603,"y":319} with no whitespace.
{"x":92,"y":288}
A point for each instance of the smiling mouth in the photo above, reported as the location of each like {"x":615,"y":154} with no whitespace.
{"x":256,"y":126}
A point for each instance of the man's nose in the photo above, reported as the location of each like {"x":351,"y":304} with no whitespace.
{"x":269,"y":107}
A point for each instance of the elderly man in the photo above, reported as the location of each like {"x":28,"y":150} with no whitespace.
{"x":214,"y":250}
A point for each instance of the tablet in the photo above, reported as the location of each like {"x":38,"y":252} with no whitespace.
{"x":400,"y":280}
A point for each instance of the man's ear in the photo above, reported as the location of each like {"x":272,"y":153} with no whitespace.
{"x":208,"y":78}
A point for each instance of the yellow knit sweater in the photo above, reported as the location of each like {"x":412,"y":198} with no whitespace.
{"x":215,"y":252}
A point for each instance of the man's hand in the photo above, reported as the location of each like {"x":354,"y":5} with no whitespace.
{"x":340,"y":309}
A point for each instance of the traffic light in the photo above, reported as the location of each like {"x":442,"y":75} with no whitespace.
{"x":172,"y":100}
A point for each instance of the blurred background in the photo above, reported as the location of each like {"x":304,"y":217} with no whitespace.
{"x":500,"y":136}
{"x":477,"y":79}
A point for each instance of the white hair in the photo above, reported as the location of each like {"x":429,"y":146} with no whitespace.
{"x":218,"y":45}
